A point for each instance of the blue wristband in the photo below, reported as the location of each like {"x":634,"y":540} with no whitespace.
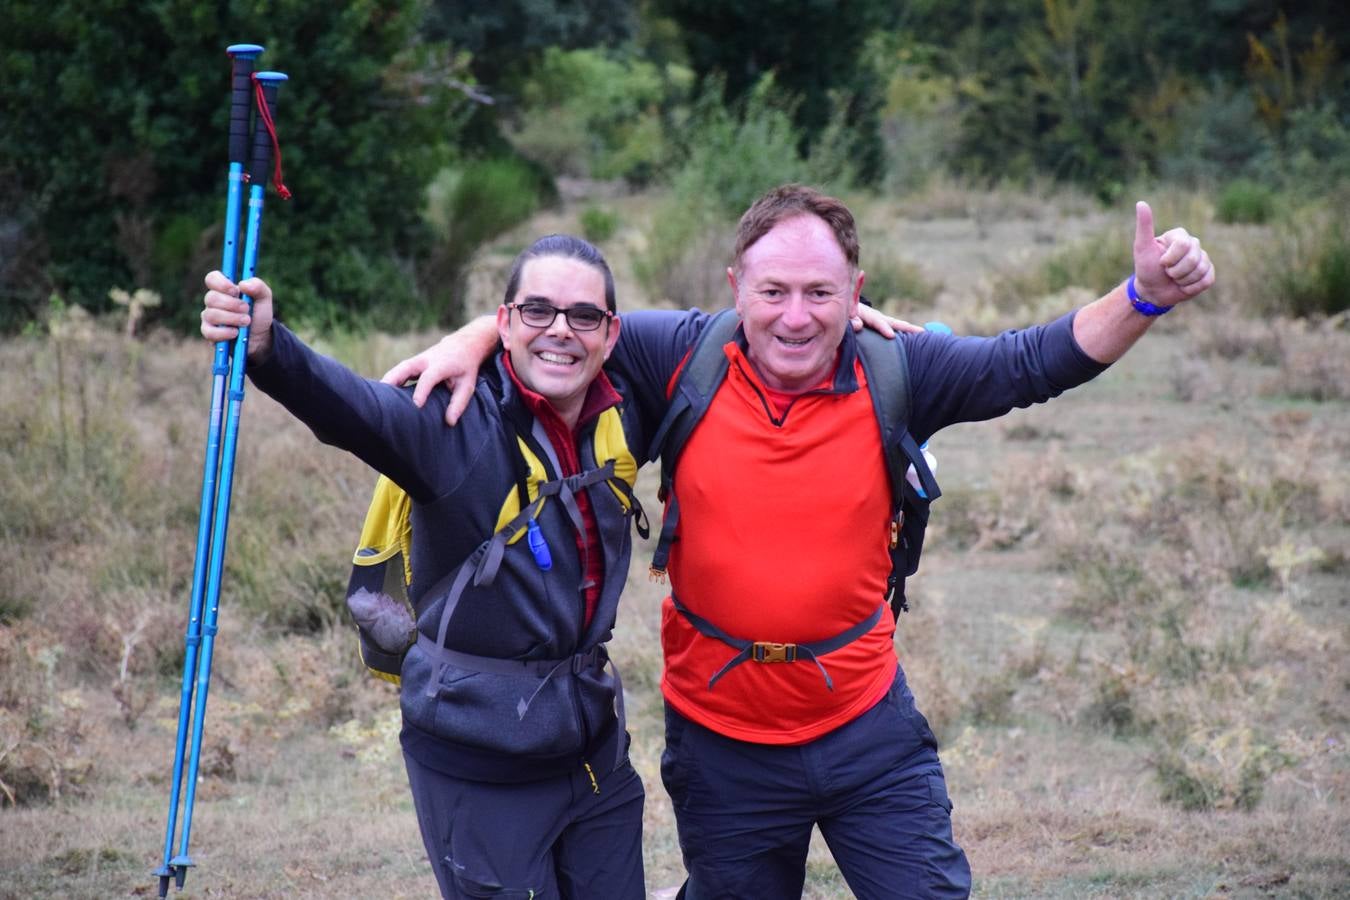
{"x":1143,"y":307}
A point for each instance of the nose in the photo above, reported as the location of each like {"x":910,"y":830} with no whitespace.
{"x":795,"y":314}
{"x":559,"y":327}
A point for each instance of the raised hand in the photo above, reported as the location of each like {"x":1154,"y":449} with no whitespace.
{"x":1169,"y":268}
{"x":224,"y":311}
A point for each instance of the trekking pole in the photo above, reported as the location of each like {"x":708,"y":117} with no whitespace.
{"x":242,"y":56}
{"x":266,"y":84}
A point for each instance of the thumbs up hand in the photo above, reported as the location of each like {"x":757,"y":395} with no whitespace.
{"x":1169,"y":268}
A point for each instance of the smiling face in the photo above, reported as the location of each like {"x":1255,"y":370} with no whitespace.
{"x":795,"y":293}
{"x":557,"y":362}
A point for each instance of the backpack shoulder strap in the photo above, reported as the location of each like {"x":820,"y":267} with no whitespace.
{"x":887,"y":368}
{"x":698,"y":379}
{"x":702,"y":373}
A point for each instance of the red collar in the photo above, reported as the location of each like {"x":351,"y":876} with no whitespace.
{"x":600,"y":396}
{"x":781,"y":400}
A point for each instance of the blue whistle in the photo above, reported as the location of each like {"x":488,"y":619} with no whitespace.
{"x":538,"y":546}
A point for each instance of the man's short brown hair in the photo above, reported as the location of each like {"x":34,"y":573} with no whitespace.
{"x":787,"y":201}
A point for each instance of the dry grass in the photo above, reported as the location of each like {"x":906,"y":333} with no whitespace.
{"x":1130,"y":631}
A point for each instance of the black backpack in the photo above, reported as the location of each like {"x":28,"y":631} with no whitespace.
{"x":887,"y":373}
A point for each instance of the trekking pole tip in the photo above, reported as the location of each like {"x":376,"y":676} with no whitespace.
{"x":247,"y":51}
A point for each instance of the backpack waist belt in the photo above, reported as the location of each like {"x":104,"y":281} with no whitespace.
{"x":770,"y":652}
{"x":595,"y":658}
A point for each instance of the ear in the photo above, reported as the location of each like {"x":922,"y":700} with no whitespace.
{"x":857,"y":293}
{"x":612,"y":335}
{"x":504,"y":326}
{"x":735,"y":288}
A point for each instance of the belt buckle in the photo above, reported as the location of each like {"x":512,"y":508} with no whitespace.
{"x":770,"y":652}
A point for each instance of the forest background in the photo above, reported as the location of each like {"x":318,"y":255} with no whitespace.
{"x":1132,"y":645}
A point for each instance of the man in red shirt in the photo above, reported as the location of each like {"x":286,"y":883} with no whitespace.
{"x":783,"y":538}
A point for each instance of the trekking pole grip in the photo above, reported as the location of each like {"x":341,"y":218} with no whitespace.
{"x":241,"y":87}
{"x":263,"y":137}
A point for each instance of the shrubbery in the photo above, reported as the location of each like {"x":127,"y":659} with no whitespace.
{"x":730,"y":156}
{"x":467,"y":207}
{"x":1246,"y":202}
{"x":585,"y":113}
{"x":117,"y":147}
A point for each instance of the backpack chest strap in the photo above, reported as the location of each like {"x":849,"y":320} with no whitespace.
{"x":771,"y":652}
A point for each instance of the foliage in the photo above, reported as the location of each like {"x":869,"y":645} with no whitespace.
{"x":1306,"y":271}
{"x":588,"y":113}
{"x":506,"y":37}
{"x":116,"y":116}
{"x":732,"y":155}
{"x":890,"y":278}
{"x":597,"y":224}
{"x":1100,"y":92}
{"x":920,"y":121}
{"x":469,"y":206}
{"x":812,"y":50}
{"x":1245,"y":201}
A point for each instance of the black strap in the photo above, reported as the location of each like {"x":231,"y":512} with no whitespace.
{"x":756,"y":650}
{"x":699,"y":378}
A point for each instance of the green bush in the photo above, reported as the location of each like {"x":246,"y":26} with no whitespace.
{"x":1323,"y":286}
{"x":586,"y":113}
{"x":731,"y":156}
{"x":1306,"y":271}
{"x":598,"y":225}
{"x":1246,"y":202}
{"x":117,"y":148}
{"x":891,"y":278}
{"x":469,"y":206}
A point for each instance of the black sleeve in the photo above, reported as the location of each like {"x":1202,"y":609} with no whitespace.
{"x":376,"y":422}
{"x":969,"y":379}
{"x":652,"y":344}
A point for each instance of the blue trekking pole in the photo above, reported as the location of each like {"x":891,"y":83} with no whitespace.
{"x":242,"y":56}
{"x":266,"y":84}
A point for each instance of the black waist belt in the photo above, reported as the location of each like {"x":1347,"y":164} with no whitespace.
{"x":595,"y":658}
{"x":770,"y":652}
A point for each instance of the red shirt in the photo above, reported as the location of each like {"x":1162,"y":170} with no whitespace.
{"x":600,"y":396}
{"x":800,"y":558}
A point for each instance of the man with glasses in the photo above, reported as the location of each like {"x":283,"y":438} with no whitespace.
{"x":783,"y":540}
{"x":516,"y":755}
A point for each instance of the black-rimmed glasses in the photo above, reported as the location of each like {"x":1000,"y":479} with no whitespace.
{"x":579,"y":318}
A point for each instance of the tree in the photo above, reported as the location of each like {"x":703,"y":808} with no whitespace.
{"x":813,"y":48}
{"x":115,"y":135}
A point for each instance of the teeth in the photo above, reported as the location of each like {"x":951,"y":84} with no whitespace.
{"x":796,"y":343}
{"x":560,"y":358}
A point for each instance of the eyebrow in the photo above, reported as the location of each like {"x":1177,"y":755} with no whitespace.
{"x":539,"y":298}
{"x":775,"y":282}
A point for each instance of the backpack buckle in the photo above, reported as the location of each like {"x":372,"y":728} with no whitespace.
{"x":770,"y":652}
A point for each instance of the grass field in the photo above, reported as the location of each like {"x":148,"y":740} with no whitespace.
{"x":1130,"y":631}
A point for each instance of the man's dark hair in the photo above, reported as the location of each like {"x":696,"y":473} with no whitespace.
{"x":568,"y":246}
{"x":789,"y":200}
